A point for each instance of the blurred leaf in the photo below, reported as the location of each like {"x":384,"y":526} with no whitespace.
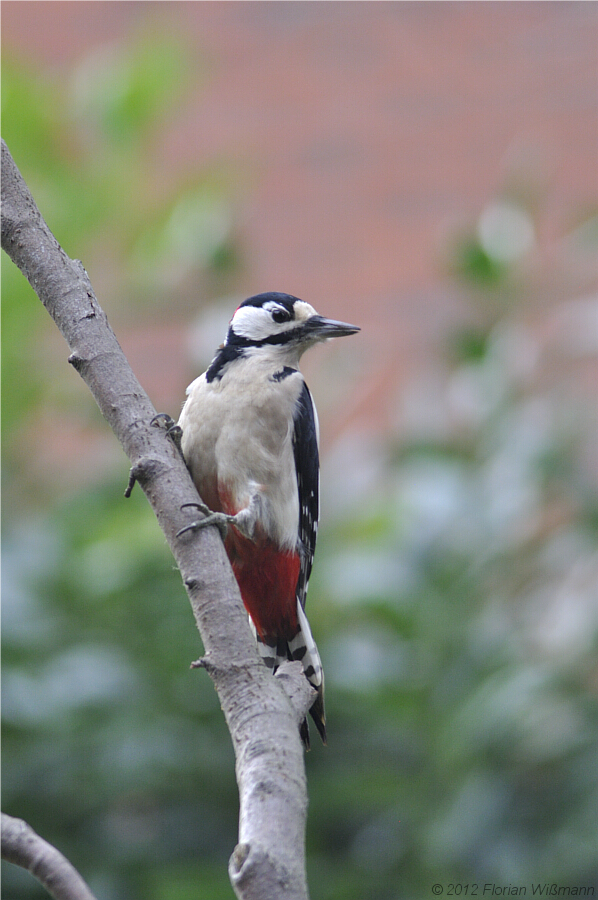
{"x":122,"y":90}
{"x":469,"y":345}
{"x":472,"y":263}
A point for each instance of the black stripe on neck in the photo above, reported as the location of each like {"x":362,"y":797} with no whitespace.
{"x":284,"y":373}
{"x":225,"y":355}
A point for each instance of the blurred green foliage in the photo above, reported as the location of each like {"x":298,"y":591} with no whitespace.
{"x":455,"y":607}
{"x":86,"y":140}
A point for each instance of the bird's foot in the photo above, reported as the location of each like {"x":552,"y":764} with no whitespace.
{"x":219,"y":519}
{"x":174,"y":431}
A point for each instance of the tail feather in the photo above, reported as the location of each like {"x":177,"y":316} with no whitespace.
{"x":301,"y":647}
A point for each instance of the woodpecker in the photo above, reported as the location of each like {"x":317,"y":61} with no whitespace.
{"x":250,"y":440}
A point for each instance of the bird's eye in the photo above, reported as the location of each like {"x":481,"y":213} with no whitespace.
{"x":280,"y":316}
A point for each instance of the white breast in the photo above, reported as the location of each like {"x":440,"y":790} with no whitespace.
{"x":238,"y":442}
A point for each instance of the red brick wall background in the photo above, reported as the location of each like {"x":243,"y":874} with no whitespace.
{"x":365,"y":132}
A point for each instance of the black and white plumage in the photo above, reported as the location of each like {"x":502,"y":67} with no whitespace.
{"x":250,"y":440}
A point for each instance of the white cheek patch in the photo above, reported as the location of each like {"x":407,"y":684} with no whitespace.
{"x":252,"y":322}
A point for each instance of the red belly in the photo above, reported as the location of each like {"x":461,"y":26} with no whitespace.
{"x":267,"y":578}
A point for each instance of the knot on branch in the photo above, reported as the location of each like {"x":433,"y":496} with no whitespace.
{"x":202,"y":663}
{"x":254,"y":873}
{"x":221,"y":671}
{"x":77,"y":362}
{"x":145,"y":469}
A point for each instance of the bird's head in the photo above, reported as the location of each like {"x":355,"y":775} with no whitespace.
{"x":281,"y":320}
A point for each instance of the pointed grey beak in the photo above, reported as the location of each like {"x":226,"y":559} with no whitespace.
{"x":318,"y":328}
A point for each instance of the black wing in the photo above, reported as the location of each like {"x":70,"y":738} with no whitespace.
{"x":307,"y":465}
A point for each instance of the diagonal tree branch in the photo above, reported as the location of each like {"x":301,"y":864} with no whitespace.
{"x":21,"y":845}
{"x":261,"y":713}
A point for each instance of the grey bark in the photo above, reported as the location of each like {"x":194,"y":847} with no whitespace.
{"x":262,"y":712}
